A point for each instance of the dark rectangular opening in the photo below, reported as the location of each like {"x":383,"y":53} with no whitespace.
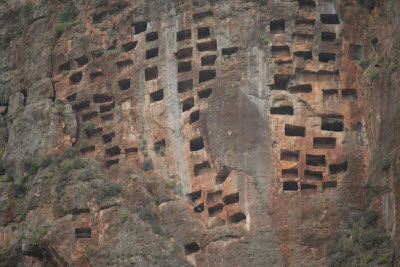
{"x":95,"y":132}
{"x":213,"y":197}
{"x":324,"y":142}
{"x":95,"y":75}
{"x":140,"y":27}
{"x":280,"y":82}
{"x":97,"y":53}
{"x":196,"y":144}
{"x":326,"y":57}
{"x":215,"y":210}
{"x":107,"y":108}
{"x":304,"y":54}
{"x":355,"y":52}
{"x":207,"y":46}
{"x":313,"y":175}
{"x":338,"y":168}
{"x":131,"y":150}
{"x":330,"y":18}
{"x":231,"y":198}
{"x":194,"y":196}
{"x":151,"y":73}
{"x":79,"y":211}
{"x":90,"y":115}
{"x":199,"y":208}
{"x":108,"y":117}
{"x":222,"y":175}
{"x":128,"y":46}
{"x":81,"y":106}
{"x":332,"y":123}
{"x":208,"y":60}
{"x":304,"y":21}
{"x":329,"y":184}
{"x":184,"y":53}
{"x":112,"y":162}
{"x":277,"y":26}
{"x":152,"y":36}
{"x":64,"y":67}
{"x":194,"y":116}
{"x":280,"y":51}
{"x":159,"y":147}
{"x":184,"y":66}
{"x":290,"y":186}
{"x":102,"y":98}
{"x":203,"y":32}
{"x":308,"y":187}
{"x":124,"y":63}
{"x":200,"y":16}
{"x":76,"y":77}
{"x":113,"y":151}
{"x":185,"y":86}
{"x":152,"y":53}
{"x":201,"y":168}
{"x":207,"y":75}
{"x":107,"y":138}
{"x":290,"y":173}
{"x":293,"y":130}
{"x":98,"y":18}
{"x":184,"y":35}
{"x":229,"y":51}
{"x":330,"y":93}
{"x":290,"y":155}
{"x":282,"y":110}
{"x":87,"y":149}
{"x":113,"y":45}
{"x":300,"y":89}
{"x":205,"y":93}
{"x":83,"y":232}
{"x":191,"y":248}
{"x":187,"y":104}
{"x":328,"y":36}
{"x":315,"y":160}
{"x":237,"y":217}
{"x":71,"y":97}
{"x":157,"y":96}
{"x":349,"y":94}
{"x":306,"y":4}
{"x":124,"y":84}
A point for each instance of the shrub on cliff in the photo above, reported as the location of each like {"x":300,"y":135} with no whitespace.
{"x":68,"y":14}
{"x":69,"y":153}
{"x":147,"y":165}
{"x":108,"y":191}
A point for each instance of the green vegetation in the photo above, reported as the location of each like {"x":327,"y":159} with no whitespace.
{"x":348,"y":249}
{"x":90,"y":128}
{"x":384,"y":164}
{"x":60,"y":108}
{"x":66,"y":18}
{"x":100,"y":3}
{"x":156,"y":228}
{"x":27,"y":8}
{"x":146,"y":214}
{"x":108,"y":191}
{"x":263,"y":2}
{"x":66,"y":165}
{"x":147,"y":165}
{"x":46,"y":161}
{"x":21,"y":109}
{"x":91,"y":250}
{"x":379,"y":59}
{"x":77,"y":163}
{"x":171,"y":183}
{"x":69,"y":153}
{"x":256,"y":182}
{"x":19,"y":190}
{"x":370,"y":217}
{"x":373,"y":74}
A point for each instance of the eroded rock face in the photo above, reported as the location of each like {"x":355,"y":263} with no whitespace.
{"x":204,"y":133}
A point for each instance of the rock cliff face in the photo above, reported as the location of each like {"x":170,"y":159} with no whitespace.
{"x":199,"y":133}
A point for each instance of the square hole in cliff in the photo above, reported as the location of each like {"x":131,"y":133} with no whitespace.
{"x":304,"y":54}
{"x":107,"y":138}
{"x":107,"y":117}
{"x":124,"y":63}
{"x":231,"y":198}
{"x":329,"y":185}
{"x":213,"y":197}
{"x":151,"y":73}
{"x":324,"y":142}
{"x":326,"y":57}
{"x":201,"y":168}
{"x":83,"y":232}
{"x":222,"y":175}
{"x":280,"y":82}
{"x":300,"y":89}
{"x":194,"y":116}
{"x":207,"y":75}
{"x":75,"y":77}
{"x":199,"y":208}
{"x":113,"y":151}
{"x":290,"y":186}
{"x":315,"y":160}
{"x":157,"y":96}
{"x":191,"y":248}
{"x":124,"y":84}
{"x":187,"y":104}
{"x":280,"y":51}
{"x":102,"y":98}
{"x":196,"y":144}
{"x":90,"y":115}
{"x":152,"y":36}
{"x":64,"y":67}
{"x":304,"y":21}
{"x":215,"y":210}
{"x":207,"y":46}
{"x":87,"y":149}
{"x":277,"y":26}
{"x":338,"y":168}
{"x":229,"y":51}
{"x":152,"y":53}
{"x":308,"y":187}
{"x":328,"y":36}
{"x":306,"y":4}
{"x":96,"y":76}
{"x":288,"y":155}
{"x":194,"y":196}
{"x":204,"y":93}
{"x":282,"y":110}
{"x":203,"y":32}
{"x":330,"y":94}
{"x":332,"y":123}
{"x":140,"y":27}
{"x":160,"y":147}
{"x":290,"y":173}
{"x":313,"y":175}
{"x":202,"y":15}
{"x":107,"y":108}
{"x":184,"y":53}
{"x":356,"y":52}
{"x":185,"y":66}
{"x":208,"y":60}
{"x":71,"y":97}
{"x":330,"y":19}
{"x":237,"y":217}
{"x":99,"y":17}
{"x":349,"y":94}
{"x":185,"y":86}
{"x":81,"y":106}
{"x":293,"y":130}
{"x":131,"y":150}
{"x":184,"y":35}
{"x":95,"y":132}
{"x":129,"y":46}
{"x":112,"y":162}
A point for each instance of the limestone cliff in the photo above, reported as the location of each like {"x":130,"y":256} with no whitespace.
{"x":199,"y":132}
